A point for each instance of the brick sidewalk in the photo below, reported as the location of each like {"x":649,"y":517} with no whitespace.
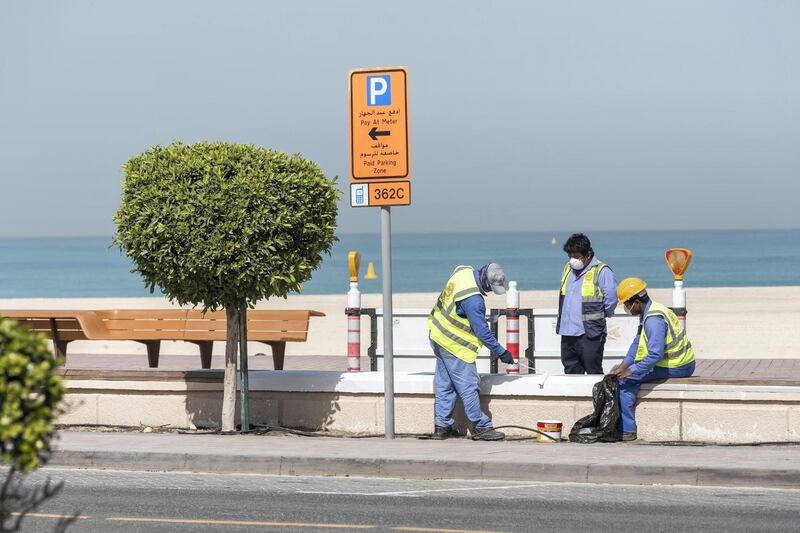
{"x":753,"y":371}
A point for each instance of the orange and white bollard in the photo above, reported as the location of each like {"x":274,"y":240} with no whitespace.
{"x":679,"y":302}
{"x":512,"y":326}
{"x":353,"y":312}
{"x":678,"y":260}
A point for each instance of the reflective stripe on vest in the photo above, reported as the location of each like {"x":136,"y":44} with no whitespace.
{"x":449,"y":330}
{"x":677,"y":348}
{"x":593,"y":312}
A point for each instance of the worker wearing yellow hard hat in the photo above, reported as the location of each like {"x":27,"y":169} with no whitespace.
{"x":660,"y":350}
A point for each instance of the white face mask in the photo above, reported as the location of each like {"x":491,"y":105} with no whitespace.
{"x":576,"y":263}
{"x":627,"y":311}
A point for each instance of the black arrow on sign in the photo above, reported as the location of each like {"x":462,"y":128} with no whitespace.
{"x":374,"y":133}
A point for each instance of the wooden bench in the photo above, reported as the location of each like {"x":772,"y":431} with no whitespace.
{"x":151,"y":326}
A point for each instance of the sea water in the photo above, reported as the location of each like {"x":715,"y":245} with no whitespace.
{"x":91,"y":267}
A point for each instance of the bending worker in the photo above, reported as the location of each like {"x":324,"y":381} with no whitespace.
{"x":660,"y":350}
{"x":458,"y":331}
{"x":588,"y":295}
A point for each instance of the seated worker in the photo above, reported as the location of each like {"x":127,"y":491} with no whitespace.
{"x":660,"y":350}
{"x":458,"y":331}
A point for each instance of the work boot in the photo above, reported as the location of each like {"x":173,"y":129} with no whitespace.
{"x":627,"y":437}
{"x":442,"y":433}
{"x":487,"y":434}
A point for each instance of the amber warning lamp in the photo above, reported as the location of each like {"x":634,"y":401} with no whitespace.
{"x":353,"y":263}
{"x":678,"y":260}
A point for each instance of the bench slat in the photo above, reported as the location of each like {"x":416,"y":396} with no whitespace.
{"x":146,"y":314}
{"x":252,"y":325}
{"x":145,"y":325}
{"x":300,"y":323}
{"x":68,"y":335}
{"x":257,"y":314}
{"x":44,"y":324}
{"x":128,"y":335}
{"x":38,"y":313}
{"x":63,"y":335}
{"x":196,"y":314}
{"x":254,"y":337}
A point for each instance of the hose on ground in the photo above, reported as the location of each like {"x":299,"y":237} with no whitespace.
{"x":264,"y":429}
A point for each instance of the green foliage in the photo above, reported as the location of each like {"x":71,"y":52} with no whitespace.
{"x":225,"y":225}
{"x":29,"y":395}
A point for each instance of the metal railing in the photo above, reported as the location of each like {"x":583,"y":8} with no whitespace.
{"x":492,"y":319}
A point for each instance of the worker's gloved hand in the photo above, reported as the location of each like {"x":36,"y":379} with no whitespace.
{"x":506,"y":357}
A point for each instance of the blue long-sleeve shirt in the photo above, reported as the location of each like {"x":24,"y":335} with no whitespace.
{"x":572,"y":309}
{"x":656,"y":330}
{"x":474,"y":310}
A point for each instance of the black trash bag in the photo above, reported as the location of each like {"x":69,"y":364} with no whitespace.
{"x":602,"y":424}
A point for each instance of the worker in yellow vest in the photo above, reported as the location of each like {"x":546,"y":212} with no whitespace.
{"x":587,"y":297}
{"x":458,"y":331}
{"x":660,"y":350}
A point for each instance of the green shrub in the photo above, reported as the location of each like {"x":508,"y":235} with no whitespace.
{"x":225,"y":225}
{"x":30,"y":392}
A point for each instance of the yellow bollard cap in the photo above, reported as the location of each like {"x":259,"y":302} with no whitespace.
{"x":678,"y":260}
{"x":353,"y":263}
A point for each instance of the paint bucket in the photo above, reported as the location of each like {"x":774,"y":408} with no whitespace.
{"x":551,"y":428}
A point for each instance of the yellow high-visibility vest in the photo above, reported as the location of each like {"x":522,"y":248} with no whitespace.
{"x":449,"y":330}
{"x":677,"y":348}
{"x":593,"y":311}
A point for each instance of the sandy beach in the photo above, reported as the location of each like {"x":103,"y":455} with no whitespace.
{"x":757,"y":322}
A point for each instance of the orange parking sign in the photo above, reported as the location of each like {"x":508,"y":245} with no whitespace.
{"x":379,"y":124}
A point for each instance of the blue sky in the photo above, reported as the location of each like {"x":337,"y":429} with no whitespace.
{"x":523,"y":115}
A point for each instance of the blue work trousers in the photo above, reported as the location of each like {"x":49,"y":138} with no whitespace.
{"x":456,"y":377}
{"x":629,"y":388}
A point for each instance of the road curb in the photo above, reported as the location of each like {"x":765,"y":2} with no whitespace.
{"x":431,"y":469}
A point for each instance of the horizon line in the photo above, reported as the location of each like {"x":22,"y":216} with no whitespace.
{"x":461,"y":232}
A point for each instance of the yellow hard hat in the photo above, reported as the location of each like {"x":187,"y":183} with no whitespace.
{"x":628,"y":288}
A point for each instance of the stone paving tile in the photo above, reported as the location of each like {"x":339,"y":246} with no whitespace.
{"x":718,"y":369}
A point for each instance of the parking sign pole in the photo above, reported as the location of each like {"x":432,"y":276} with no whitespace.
{"x":380,"y":171}
{"x":388,"y":344}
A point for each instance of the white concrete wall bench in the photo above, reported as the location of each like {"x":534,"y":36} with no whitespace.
{"x":352,"y":403}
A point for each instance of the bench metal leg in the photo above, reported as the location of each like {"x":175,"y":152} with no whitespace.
{"x":278,"y":352}
{"x":61,"y":349}
{"x":206,"y":348}
{"x":153,"y":351}
{"x":59,"y":346}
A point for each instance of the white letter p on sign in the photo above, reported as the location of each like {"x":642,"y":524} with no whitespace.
{"x":377,"y":87}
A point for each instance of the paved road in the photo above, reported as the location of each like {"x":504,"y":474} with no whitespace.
{"x":156,"y":501}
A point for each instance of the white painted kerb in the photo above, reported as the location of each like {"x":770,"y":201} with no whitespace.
{"x":491,"y":384}
{"x":352,"y":403}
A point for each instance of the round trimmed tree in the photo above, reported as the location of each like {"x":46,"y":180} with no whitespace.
{"x":223,"y":226}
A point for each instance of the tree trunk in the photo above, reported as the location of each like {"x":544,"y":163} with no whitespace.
{"x":229,"y":384}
